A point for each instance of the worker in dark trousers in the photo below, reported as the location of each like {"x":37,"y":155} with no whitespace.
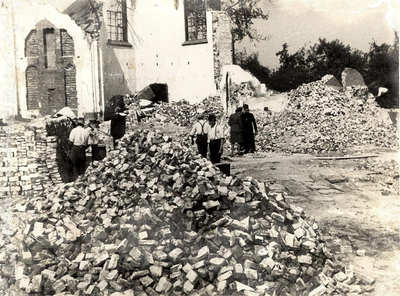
{"x":78,"y":143}
{"x":200,"y":130}
{"x":216,"y":139}
{"x":249,"y":130}
{"x":118,"y":125}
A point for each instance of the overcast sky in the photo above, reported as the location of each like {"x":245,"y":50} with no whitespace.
{"x":302,"y":22}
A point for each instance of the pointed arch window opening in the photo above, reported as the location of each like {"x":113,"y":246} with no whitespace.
{"x":49,"y":41}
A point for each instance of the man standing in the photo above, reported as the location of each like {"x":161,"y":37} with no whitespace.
{"x":249,"y":130}
{"x":79,"y":141}
{"x":200,"y":130}
{"x":216,"y":138}
{"x":236,"y":134}
{"x":118,"y":125}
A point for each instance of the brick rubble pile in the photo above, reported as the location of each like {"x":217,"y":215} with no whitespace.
{"x":181,"y":113}
{"x":27,"y":159}
{"x":320,"y":119}
{"x":152,"y":218}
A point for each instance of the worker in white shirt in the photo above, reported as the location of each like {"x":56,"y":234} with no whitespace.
{"x":200,"y":130}
{"x":216,"y":139}
{"x":79,"y":142}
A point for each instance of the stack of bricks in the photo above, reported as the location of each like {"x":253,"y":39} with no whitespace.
{"x":51,"y":151}
{"x":27,"y":160}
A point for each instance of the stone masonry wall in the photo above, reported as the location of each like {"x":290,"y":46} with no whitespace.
{"x":222,"y":42}
{"x":52,"y":86}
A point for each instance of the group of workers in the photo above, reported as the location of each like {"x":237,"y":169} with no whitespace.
{"x":210,"y":136}
{"x":81,"y":138}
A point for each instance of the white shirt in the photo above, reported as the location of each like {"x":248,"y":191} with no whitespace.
{"x":92,"y":136}
{"x":215,"y":132}
{"x":79,"y":136}
{"x":200,"y":127}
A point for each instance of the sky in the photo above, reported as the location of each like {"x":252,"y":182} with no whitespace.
{"x":301,"y":22}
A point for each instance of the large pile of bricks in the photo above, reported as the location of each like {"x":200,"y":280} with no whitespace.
{"x":320,"y":119}
{"x":153,"y":218}
{"x":27,"y":159}
{"x":180,"y":113}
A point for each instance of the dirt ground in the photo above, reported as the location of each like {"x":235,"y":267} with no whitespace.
{"x":355,"y":206}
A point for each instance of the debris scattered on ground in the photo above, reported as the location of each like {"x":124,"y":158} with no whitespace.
{"x":385,"y":172}
{"x":152,"y":218}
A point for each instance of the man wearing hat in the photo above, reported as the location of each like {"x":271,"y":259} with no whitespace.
{"x":79,"y":142}
{"x":200,"y":130}
{"x":92,"y":131}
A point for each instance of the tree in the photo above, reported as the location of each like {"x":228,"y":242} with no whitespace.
{"x":293,"y":71}
{"x":242,"y":14}
{"x":332,"y":57}
{"x":324,"y":57}
{"x":383,"y":71}
{"x":252,"y":64}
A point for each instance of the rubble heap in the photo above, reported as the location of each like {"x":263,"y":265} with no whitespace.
{"x":181,"y":113}
{"x":152,"y":218}
{"x":320,"y":119}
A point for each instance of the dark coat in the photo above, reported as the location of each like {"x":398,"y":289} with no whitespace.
{"x":118,"y":126}
{"x":249,"y":127}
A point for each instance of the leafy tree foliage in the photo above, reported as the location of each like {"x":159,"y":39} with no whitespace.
{"x":379,"y":67}
{"x":383,"y":71}
{"x":252,"y":64}
{"x":332,"y":57}
{"x":242,"y":13}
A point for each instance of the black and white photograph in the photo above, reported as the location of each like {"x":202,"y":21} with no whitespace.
{"x":199,"y":147}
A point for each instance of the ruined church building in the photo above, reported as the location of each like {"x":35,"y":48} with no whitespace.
{"x":94,"y":50}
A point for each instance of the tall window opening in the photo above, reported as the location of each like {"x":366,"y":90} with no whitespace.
{"x":49,"y":48}
{"x":195,"y":20}
{"x":117,"y":23}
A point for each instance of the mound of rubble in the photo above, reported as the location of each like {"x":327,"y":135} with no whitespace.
{"x":152,"y":218}
{"x":180,"y":113}
{"x":320,"y":119}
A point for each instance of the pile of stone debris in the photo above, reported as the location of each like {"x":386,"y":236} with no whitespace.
{"x":153,"y":218}
{"x":180,"y":113}
{"x":320,"y":119}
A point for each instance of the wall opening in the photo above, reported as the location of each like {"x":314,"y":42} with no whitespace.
{"x":161,"y":92}
{"x":49,"y":48}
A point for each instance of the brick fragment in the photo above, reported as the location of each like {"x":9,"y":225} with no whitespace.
{"x":188,"y":287}
{"x":320,"y":290}
{"x":156,"y":270}
{"x":203,"y":252}
{"x":192,"y":276}
{"x":225,"y":276}
{"x":146,"y":281}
